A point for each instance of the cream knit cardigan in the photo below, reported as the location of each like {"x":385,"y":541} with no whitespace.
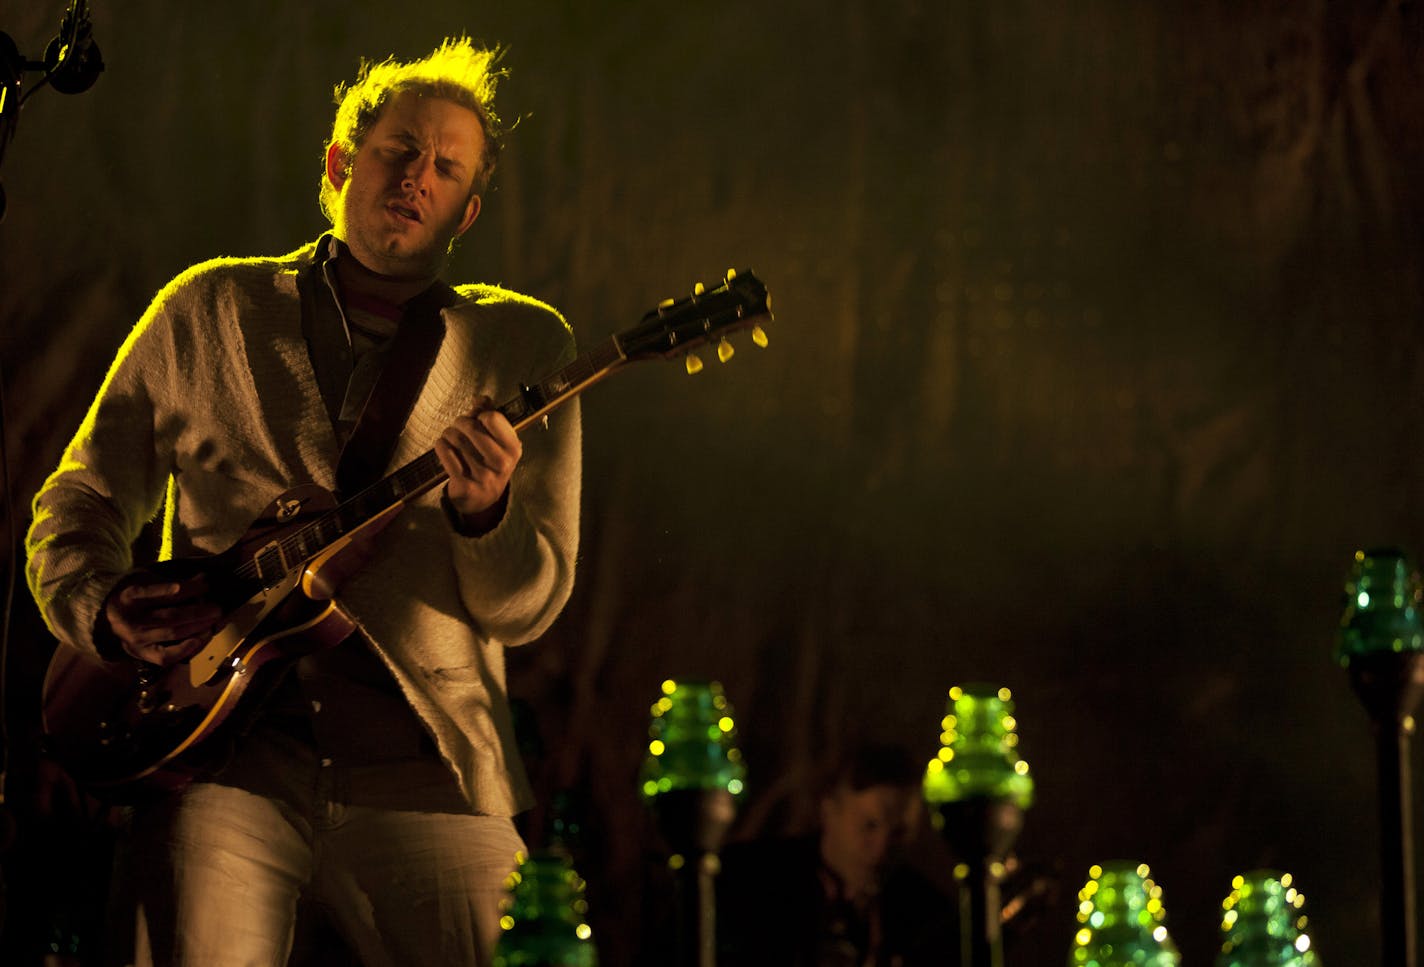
{"x":211,"y":409}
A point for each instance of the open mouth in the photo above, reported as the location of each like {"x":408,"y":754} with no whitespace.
{"x":404,"y":212}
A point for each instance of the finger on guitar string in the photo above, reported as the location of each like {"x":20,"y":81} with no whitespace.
{"x":486,"y":440}
{"x":166,"y":632}
{"x":168,"y":653}
{"x":487,"y":435}
{"x":479,"y":453}
{"x":157,"y":619}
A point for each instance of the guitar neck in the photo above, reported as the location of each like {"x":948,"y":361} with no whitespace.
{"x":673,"y":329}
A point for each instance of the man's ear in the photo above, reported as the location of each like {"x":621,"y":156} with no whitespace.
{"x":472,"y":211}
{"x":336,"y":166}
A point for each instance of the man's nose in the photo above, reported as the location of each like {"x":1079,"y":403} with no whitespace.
{"x":417,"y":173}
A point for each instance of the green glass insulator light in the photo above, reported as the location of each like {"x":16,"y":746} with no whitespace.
{"x":1263,"y":923}
{"x":978,"y":754}
{"x":1121,"y":920}
{"x":545,"y":916}
{"x":692,"y":741}
{"x":1382,"y":607}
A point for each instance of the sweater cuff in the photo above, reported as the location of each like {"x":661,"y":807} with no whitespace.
{"x":93,"y":630}
{"x":464,"y":528}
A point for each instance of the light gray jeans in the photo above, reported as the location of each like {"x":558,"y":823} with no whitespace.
{"x":390,"y":852}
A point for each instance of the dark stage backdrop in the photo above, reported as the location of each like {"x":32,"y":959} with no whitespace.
{"x":1096,"y":356}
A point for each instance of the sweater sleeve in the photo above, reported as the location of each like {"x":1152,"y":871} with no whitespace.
{"x":515,"y":579}
{"x":110,"y":482}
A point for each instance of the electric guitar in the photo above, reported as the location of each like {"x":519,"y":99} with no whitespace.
{"x":131,"y":726}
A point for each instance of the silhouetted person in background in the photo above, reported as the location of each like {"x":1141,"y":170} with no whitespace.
{"x":842,"y":896}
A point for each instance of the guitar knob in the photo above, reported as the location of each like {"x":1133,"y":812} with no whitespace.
{"x":759,"y":336}
{"x":698,"y":289}
{"x":731,"y":274}
{"x":724,"y":351}
{"x":694,"y":365}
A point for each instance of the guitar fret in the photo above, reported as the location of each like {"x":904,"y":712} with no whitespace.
{"x":561,"y":384}
{"x":514,"y":410}
{"x":556,"y":385}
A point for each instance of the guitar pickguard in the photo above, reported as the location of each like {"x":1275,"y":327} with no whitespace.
{"x":228,"y":642}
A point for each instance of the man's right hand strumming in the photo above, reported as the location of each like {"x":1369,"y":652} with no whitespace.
{"x":161,"y":621}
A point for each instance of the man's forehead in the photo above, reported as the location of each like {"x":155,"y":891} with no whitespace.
{"x":417,"y":115}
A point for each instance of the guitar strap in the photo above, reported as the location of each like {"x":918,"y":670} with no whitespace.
{"x":407,"y":364}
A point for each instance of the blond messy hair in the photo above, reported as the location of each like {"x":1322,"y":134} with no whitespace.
{"x":456,"y":71}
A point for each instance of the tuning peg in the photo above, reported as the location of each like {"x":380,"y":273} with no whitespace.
{"x":759,"y":336}
{"x":724,"y":351}
{"x":698,"y":289}
{"x":667,"y":303}
{"x":731,"y":274}
{"x":693,"y":363}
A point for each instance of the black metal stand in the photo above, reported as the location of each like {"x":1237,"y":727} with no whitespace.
{"x":693,"y":823}
{"x":1391,"y":685}
{"x":980,"y":832}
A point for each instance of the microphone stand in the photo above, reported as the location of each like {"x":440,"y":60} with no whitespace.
{"x":1390,"y":685}
{"x":71,"y":65}
{"x":693,"y":823}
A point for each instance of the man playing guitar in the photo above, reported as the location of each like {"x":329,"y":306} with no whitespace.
{"x":378,"y":780}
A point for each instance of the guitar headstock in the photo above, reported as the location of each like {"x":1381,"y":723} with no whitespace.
{"x":679,"y":326}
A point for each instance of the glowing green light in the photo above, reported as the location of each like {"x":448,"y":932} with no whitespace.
{"x":1123,"y":907}
{"x":1383,"y":607}
{"x":545,"y":922}
{"x":693,"y":742}
{"x":977,"y":757}
{"x":1261,"y":925}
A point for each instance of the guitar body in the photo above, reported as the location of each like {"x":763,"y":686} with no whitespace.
{"x":119,"y":723}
